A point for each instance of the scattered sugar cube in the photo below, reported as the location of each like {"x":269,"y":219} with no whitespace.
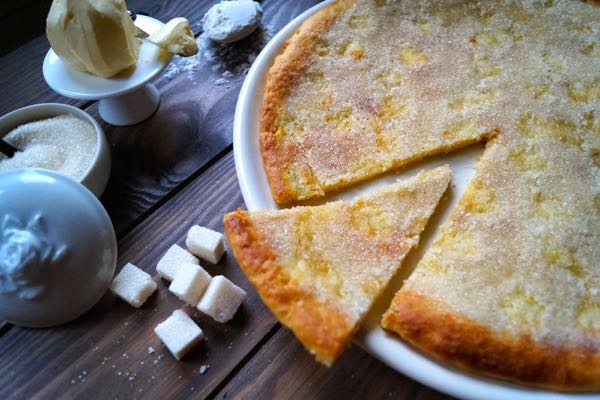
{"x":172,"y":260}
{"x":190,"y":282}
{"x":179,"y":333}
{"x":205,"y":243}
{"x":133,"y":285}
{"x":221,"y":299}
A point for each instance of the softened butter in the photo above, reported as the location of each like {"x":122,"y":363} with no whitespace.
{"x":96,"y":36}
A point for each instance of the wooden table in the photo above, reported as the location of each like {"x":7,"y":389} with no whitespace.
{"x":169,"y":172}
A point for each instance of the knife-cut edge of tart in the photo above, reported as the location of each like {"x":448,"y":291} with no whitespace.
{"x":320,"y":268}
{"x":360,"y":89}
{"x":511,"y":288}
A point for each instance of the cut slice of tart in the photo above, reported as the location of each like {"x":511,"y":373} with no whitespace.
{"x":320,"y":268}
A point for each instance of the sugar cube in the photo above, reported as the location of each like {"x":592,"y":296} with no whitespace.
{"x":179,"y":333}
{"x":221,"y":299}
{"x":205,"y":243}
{"x":190,"y":282}
{"x":133,"y":285}
{"x":172,"y":260}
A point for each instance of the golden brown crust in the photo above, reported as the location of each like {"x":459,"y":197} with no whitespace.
{"x":454,"y":338}
{"x":319,"y":325}
{"x":319,"y":269}
{"x":281,"y":77}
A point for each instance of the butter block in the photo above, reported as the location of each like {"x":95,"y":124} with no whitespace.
{"x":96,"y":36}
{"x":176,"y":37}
{"x":170,"y":263}
{"x":133,"y":285}
{"x":205,"y":243}
{"x":221,"y":299}
{"x":179,"y":333}
{"x":190,"y":282}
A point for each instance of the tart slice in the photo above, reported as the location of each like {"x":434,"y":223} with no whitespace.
{"x":319,"y":269}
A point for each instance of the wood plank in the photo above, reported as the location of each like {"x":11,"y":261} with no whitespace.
{"x":76,"y":360}
{"x":21,"y":20}
{"x":283,"y":369}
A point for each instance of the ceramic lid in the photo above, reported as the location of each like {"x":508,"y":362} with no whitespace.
{"x":58,"y":248}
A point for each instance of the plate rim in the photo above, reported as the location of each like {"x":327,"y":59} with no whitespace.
{"x":427,"y":370}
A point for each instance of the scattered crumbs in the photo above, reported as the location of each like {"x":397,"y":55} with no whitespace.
{"x":221,"y":82}
{"x":151,"y":350}
{"x":157,"y":359}
{"x":203,"y":369}
{"x":229,"y":60}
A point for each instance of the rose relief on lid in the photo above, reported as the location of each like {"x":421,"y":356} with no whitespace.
{"x":27,"y":257}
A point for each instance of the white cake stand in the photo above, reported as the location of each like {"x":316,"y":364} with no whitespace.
{"x":126,"y":98}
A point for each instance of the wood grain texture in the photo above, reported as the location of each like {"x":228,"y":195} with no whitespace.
{"x":106,"y":350}
{"x":283,"y":369}
{"x":22,"y":20}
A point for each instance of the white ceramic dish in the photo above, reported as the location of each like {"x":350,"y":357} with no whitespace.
{"x":125,"y":99}
{"x":387,"y":347}
{"x":96,"y":176}
{"x":58,"y":249}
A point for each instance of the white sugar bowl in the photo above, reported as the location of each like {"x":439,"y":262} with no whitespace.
{"x":58,"y":248}
{"x":97,"y":172}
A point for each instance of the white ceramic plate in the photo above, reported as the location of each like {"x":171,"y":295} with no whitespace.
{"x":385,"y":346}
